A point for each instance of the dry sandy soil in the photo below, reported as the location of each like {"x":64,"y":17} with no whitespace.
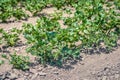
{"x":88,"y":67}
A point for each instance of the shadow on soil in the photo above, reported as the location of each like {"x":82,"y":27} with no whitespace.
{"x":25,"y":19}
{"x":100,"y":50}
{"x":68,"y":64}
{"x":5,"y":49}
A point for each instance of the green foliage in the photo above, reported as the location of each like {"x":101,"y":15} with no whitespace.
{"x":14,"y":8}
{"x":117,"y":3}
{"x":19,"y":14}
{"x":92,"y":23}
{"x":49,"y":42}
{"x":34,"y":6}
{"x":1,"y":62}
{"x":4,"y":56}
{"x":10,"y":38}
{"x":9,"y":9}
{"x":20,"y":62}
{"x":61,"y":3}
{"x":56,"y":16}
{"x":58,"y":4}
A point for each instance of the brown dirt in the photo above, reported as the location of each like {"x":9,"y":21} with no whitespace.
{"x":91,"y":67}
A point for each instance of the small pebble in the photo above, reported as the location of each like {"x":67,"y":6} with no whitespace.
{"x":42,"y":74}
{"x":117,"y":76}
{"x":104,"y":78}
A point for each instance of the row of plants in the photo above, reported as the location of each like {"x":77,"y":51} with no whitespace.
{"x":94,"y":22}
{"x":17,"y":8}
{"x":10,"y":9}
{"x":10,"y":38}
{"x":49,"y":42}
{"x":18,"y":61}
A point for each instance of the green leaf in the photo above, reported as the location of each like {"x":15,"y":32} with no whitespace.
{"x":86,"y":32}
{"x":1,"y":62}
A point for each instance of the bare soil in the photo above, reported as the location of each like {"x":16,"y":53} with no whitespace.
{"x":88,"y":67}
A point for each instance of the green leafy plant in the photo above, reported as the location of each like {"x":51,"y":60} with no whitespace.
{"x":59,"y":4}
{"x":9,"y":9}
{"x":49,"y":42}
{"x":14,"y":8}
{"x":4,"y":56}
{"x":94,"y":23}
{"x":1,"y":62}
{"x":34,"y":6}
{"x":10,"y":38}
{"x":20,"y":62}
{"x":19,"y":14}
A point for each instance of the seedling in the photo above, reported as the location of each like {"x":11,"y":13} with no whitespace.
{"x":20,"y":62}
